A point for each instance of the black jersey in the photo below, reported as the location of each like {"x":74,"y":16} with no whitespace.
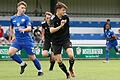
{"x":63,"y":33}
{"x":47,"y":34}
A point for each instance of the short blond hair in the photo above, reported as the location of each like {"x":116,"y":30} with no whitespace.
{"x":22,"y":3}
{"x":60,"y":5}
{"x":48,"y":13}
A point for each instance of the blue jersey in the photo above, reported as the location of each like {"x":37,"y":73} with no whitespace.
{"x":110,"y":41}
{"x":108,"y":35}
{"x":21,"y":22}
{"x":23,"y":39}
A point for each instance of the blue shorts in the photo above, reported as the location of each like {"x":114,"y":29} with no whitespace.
{"x":112,"y":44}
{"x":28,"y":46}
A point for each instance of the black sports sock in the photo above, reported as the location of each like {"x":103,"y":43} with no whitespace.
{"x":71,"y":62}
{"x":52,"y":65}
{"x":63,"y":68}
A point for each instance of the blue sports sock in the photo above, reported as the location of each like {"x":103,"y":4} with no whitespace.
{"x":16,"y":58}
{"x":107,"y":54}
{"x":116,"y":49}
{"x":37,"y":64}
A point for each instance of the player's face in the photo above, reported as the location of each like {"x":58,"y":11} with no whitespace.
{"x":47,"y":17}
{"x":108,"y":22}
{"x":107,"y":26}
{"x":119,"y":30}
{"x":21,"y":9}
{"x":62,"y":11}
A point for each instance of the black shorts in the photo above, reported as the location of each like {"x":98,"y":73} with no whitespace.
{"x":57,"y":48}
{"x":46,"y":45}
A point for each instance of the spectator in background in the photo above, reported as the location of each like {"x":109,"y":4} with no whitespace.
{"x":1,"y":31}
{"x":7,"y":34}
{"x":107,"y":22}
{"x":2,"y":39}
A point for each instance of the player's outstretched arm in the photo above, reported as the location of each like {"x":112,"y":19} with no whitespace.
{"x":52,"y":29}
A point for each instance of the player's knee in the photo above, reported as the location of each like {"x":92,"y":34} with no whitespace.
{"x":45,"y":53}
{"x":59,"y":61}
{"x":70,"y":52}
{"x":11,"y":52}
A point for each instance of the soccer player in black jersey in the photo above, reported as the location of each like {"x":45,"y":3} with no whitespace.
{"x":61,"y":38}
{"x":46,"y":37}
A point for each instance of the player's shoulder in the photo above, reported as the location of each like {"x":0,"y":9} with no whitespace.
{"x":26,"y":16}
{"x":53,"y":17}
{"x":12,"y":17}
{"x":43,"y":22}
{"x":111,"y":30}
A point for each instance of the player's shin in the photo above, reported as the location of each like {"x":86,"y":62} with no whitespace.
{"x":37,"y":64}
{"x":16,"y":58}
{"x":116,"y":49}
{"x":63,"y":68}
{"x":107,"y":55}
{"x":71,"y":63}
{"x":52,"y":63}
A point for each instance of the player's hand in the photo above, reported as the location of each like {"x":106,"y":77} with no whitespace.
{"x":13,"y":39}
{"x":43,"y":39}
{"x":114,"y":36}
{"x":118,"y":30}
{"x":21,"y":30}
{"x":63,"y":22}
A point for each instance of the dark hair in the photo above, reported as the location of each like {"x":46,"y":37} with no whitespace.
{"x":22,"y":3}
{"x":108,"y":20}
{"x":60,"y":5}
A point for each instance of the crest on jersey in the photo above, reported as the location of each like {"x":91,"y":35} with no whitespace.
{"x":22,"y":20}
{"x":29,"y":23}
{"x":14,"y":21}
{"x":18,"y":24}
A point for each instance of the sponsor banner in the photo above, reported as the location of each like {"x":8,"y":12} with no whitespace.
{"x":80,"y":52}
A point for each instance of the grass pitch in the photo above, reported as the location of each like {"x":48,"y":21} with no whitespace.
{"x":85,"y":70}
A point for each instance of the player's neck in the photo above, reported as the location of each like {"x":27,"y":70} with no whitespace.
{"x":59,"y":16}
{"x":19,"y":14}
{"x":48,"y":22}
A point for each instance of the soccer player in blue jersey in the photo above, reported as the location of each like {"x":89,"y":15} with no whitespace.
{"x":22,"y":26}
{"x":111,"y":41}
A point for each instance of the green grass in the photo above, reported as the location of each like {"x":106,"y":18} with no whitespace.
{"x":85,"y":70}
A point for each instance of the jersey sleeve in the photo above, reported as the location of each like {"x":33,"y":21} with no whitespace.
{"x":43,"y":24}
{"x":112,"y":33}
{"x":52,"y":21}
{"x":28,"y":21}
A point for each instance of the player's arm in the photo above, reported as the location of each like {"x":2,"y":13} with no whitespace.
{"x":28,"y":29}
{"x":53,"y":30}
{"x":112,"y":37}
{"x":11,"y":34}
{"x":43,"y":33}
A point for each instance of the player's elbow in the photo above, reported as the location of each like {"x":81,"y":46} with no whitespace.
{"x":52,"y":30}
{"x":29,"y":29}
